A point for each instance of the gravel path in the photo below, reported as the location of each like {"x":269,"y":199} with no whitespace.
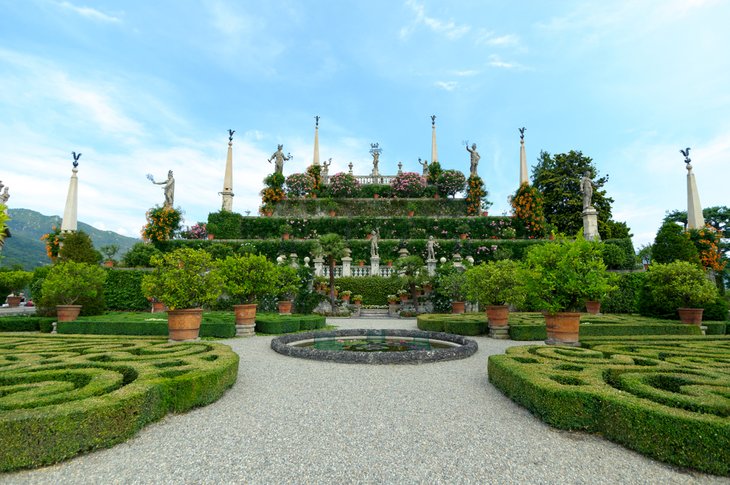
{"x":288,"y":420}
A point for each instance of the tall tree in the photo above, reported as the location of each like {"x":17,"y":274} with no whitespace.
{"x":717,"y":216}
{"x":558,"y":177}
{"x":673,"y":244}
{"x":77,"y":246}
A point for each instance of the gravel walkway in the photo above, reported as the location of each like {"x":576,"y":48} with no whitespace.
{"x":296,"y":421}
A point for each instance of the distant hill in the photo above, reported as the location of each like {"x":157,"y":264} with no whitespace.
{"x":25,"y":247}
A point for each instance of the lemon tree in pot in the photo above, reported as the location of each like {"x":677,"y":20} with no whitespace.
{"x":245,"y":280}
{"x":287,"y":284}
{"x":69,"y":283}
{"x":678,"y":287}
{"x":496,"y":285}
{"x":184,"y":280}
{"x":15,"y":282}
{"x":560,"y":277}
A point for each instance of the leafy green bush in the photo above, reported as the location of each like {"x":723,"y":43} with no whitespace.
{"x":716,"y":310}
{"x":25,"y":323}
{"x":373,"y":289}
{"x":619,"y":253}
{"x":103,"y":327}
{"x":71,"y":283}
{"x":461,"y":324}
{"x":450,"y":182}
{"x":225,"y":225}
{"x":15,"y":281}
{"x":77,"y":246}
{"x":538,"y":332}
{"x":247,"y":278}
{"x":123,"y":290}
{"x":496,"y":283}
{"x":139,"y":255}
{"x":624,"y":298}
{"x":670,"y":286}
{"x":673,"y":244}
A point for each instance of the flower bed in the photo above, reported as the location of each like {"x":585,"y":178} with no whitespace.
{"x":665,"y":397}
{"x":66,"y":395}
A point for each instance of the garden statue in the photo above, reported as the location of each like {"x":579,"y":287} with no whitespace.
{"x":279,"y":158}
{"x":586,"y":188}
{"x":374,"y":243}
{"x":424,"y":164}
{"x":375,"y":151}
{"x":522,"y":133}
{"x":430,"y":253}
{"x":349,"y":165}
{"x":474,"y":158}
{"x":685,"y":152}
{"x":4,"y":196}
{"x":76,"y":159}
{"x":326,"y":169}
{"x":230,"y":135}
{"x":169,"y":188}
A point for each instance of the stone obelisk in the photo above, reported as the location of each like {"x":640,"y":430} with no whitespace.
{"x":695,"y":219}
{"x":70,"y":220}
{"x":315,"y":158}
{"x":524,"y":178}
{"x":434,"y":150}
{"x":227,"y":193}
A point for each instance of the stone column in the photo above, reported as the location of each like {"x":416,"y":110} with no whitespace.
{"x":590,"y":224}
{"x":347,"y":266}
{"x":375,"y":266}
{"x":457,"y":260}
{"x":315,"y":158}
{"x":70,"y":223}
{"x":524,"y":178}
{"x":431,"y":267}
{"x":695,"y":219}
{"x":227,"y":193}
{"x":434,"y":151}
{"x":318,"y":263}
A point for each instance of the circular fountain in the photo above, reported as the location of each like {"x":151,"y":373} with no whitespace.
{"x":367,"y":346}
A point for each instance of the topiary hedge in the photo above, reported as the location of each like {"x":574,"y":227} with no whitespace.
{"x":461,"y":324}
{"x":538,"y":332}
{"x":123,"y":290}
{"x":276,"y":324}
{"x":158,"y":327}
{"x":370,"y":207}
{"x":82,"y":393}
{"x":374,"y":289}
{"x":625,"y":298}
{"x":23,"y":323}
{"x":659,"y":396}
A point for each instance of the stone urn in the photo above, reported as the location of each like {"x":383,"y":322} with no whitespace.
{"x":184,"y":325}
{"x":562,"y":328}
{"x":690,"y":316}
{"x":67,"y":313}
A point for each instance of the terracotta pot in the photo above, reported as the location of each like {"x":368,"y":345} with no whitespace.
{"x":184,"y":325}
{"x":691,"y":316}
{"x":314,"y":196}
{"x":333,"y":213}
{"x":67,"y":313}
{"x":593,"y":307}
{"x":562,"y":328}
{"x":285,"y":307}
{"x":457,"y":307}
{"x":14,"y":301}
{"x":376,"y":196}
{"x":369,"y":237}
{"x":109,"y":264}
{"x":211,"y":237}
{"x":411,"y":213}
{"x":404,"y":298}
{"x":245,"y":314}
{"x":361,"y":263}
{"x":462,"y":236}
{"x":498,"y":315}
{"x":346,"y":298}
{"x":285,"y":237}
{"x":436,"y":196}
{"x":390,"y":264}
{"x":158,"y":306}
{"x":358,"y":303}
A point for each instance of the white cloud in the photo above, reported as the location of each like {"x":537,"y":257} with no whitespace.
{"x":485,"y":37}
{"x":448,"y":28}
{"x":497,"y":61}
{"x":90,"y":13}
{"x":466,"y":73}
{"x":447,"y":85}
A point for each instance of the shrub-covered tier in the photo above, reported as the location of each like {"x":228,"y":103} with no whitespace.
{"x":460,"y":324}
{"x":63,"y":395}
{"x":665,"y":397}
{"x":371,"y":207}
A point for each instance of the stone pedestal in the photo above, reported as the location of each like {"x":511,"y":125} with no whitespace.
{"x":431,"y":266}
{"x":294,"y":260}
{"x":590,"y":224}
{"x":318,"y":263}
{"x":245,"y":330}
{"x":347,"y":266}
{"x":375,"y":266}
{"x":403,"y":253}
{"x":457,"y":260}
{"x":499,"y":332}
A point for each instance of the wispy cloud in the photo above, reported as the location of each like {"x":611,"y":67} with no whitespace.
{"x":448,"y":28}
{"x":485,"y":37}
{"x":498,"y":62}
{"x":446,"y":85}
{"x":466,"y":73}
{"x":89,"y":13}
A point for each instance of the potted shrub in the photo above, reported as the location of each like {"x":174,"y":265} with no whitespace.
{"x":109,"y":252}
{"x":357,"y":299}
{"x":561,"y":276}
{"x":68,"y":283}
{"x":184,"y":280}
{"x":463,"y":231}
{"x":411,"y":208}
{"x":681,"y":287}
{"x":285,"y":230}
{"x":453,"y":285}
{"x":496,"y":285}
{"x":345,"y":295}
{"x":403,"y":295}
{"x":392,"y":299}
{"x":287,"y":284}
{"x":361,"y":262}
{"x":246,"y":279}
{"x":15,"y":281}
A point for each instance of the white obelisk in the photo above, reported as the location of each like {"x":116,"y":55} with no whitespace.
{"x":434,"y":150}
{"x":227,"y":193}
{"x":695,"y":219}
{"x":70,"y":220}
{"x":524,"y":178}
{"x":315,"y":158}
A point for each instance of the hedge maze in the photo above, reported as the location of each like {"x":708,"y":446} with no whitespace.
{"x":666,"y":397}
{"x":63,"y":395}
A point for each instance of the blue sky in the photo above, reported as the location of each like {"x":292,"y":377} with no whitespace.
{"x":143,"y":87}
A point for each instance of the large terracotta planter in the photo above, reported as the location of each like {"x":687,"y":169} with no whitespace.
{"x":211,"y":237}
{"x":67,"y":313}
{"x":346,"y":298}
{"x":562,"y":328}
{"x":457,"y":307}
{"x":285,"y":307}
{"x":285,"y":237}
{"x":158,"y":306}
{"x":184,"y":325}
{"x":691,"y":316}
{"x":463,"y":236}
{"x":498,"y":315}
{"x":14,"y":301}
{"x":245,"y":314}
{"x":593,"y":307}
{"x":109,"y":263}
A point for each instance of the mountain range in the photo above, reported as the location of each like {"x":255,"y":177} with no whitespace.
{"x":24,"y":248}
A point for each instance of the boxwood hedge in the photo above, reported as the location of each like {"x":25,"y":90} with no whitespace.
{"x":665,"y":397}
{"x":459,"y":324}
{"x":276,"y":324}
{"x":66,"y":395}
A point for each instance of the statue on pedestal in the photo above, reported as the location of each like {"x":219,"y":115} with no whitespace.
{"x":375,"y":151}
{"x":430,"y":252}
{"x":325,"y":172}
{"x":586,"y":188}
{"x":474,"y":158}
{"x":424,"y":164}
{"x":374,"y":243}
{"x":279,"y":158}
{"x":169,"y":188}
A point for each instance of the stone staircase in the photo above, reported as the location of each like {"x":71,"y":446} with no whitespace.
{"x":374,"y":313}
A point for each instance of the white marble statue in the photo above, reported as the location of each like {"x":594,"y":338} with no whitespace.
{"x":586,"y":188}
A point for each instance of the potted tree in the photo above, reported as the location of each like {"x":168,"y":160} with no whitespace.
{"x":286,"y":230}
{"x":345,"y":295}
{"x":411,"y":208}
{"x":496,"y":285}
{"x":15,"y":281}
{"x":246,"y":279}
{"x":561,"y":276}
{"x":184,"y":280}
{"x":109,"y":252}
{"x":357,"y":299}
{"x":453,"y":285}
{"x":463,"y":230}
{"x":69,"y":282}
{"x":680,"y":286}
{"x":287,"y":283}
{"x":403,"y":295}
